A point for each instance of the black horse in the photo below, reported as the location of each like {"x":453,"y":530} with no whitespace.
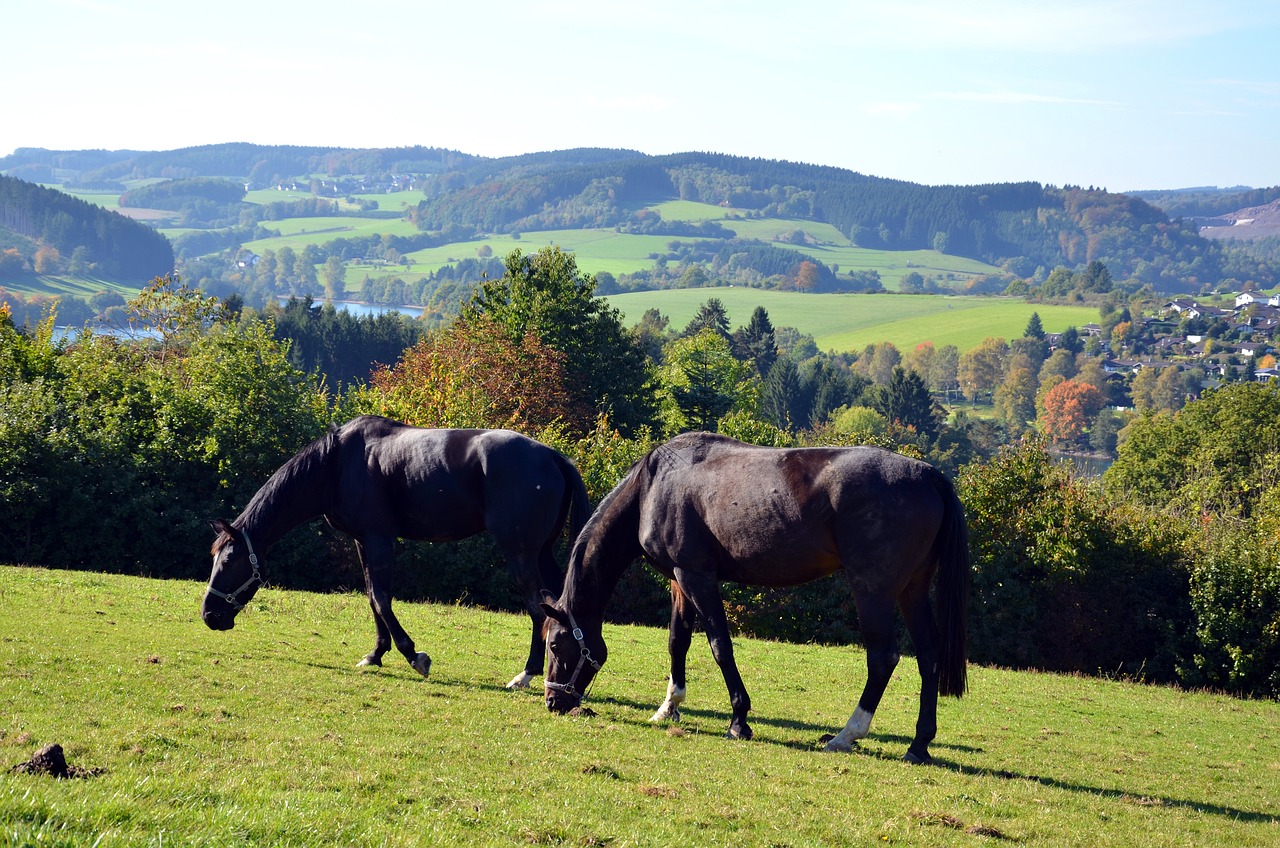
{"x":705,"y":508}
{"x":378,"y":480}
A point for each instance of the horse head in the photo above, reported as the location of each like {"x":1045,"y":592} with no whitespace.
{"x":574,"y":655}
{"x":235,"y":578}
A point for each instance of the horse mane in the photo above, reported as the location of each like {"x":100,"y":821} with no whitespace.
{"x":296,"y":476}
{"x":637,"y":476}
{"x":627,"y":481}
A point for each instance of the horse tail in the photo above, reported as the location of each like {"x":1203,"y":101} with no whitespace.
{"x":579,"y":502}
{"x":954,"y":578}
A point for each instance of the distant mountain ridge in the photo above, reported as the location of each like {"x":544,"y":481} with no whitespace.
{"x":1026,"y":228}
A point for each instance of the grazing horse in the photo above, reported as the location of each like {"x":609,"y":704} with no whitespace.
{"x":378,"y":480}
{"x":705,"y":508}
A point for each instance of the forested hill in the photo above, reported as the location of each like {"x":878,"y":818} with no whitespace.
{"x":1021,"y":227}
{"x":101,"y":243}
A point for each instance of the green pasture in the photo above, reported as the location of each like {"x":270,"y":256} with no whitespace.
{"x":594,"y":250}
{"x":105,"y":199}
{"x":849,"y":322}
{"x":297,"y":233}
{"x":831,"y":246}
{"x":269,"y":735}
{"x":81,"y":287}
{"x":386,"y":200}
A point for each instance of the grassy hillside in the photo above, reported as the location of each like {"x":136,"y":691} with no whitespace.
{"x":844,"y":322}
{"x":598,"y":250}
{"x":267,"y":734}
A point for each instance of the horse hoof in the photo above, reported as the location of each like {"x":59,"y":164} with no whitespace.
{"x":915,"y":759}
{"x":665,"y":714}
{"x":369,"y":662}
{"x":838,"y":746}
{"x":422,"y":664}
{"x":520,"y":681}
{"x":744,"y":733}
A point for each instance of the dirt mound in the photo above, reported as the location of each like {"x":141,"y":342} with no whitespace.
{"x":51,"y":761}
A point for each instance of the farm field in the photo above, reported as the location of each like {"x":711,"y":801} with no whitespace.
{"x":268,"y":734}
{"x":606,"y":250}
{"x":849,"y":322}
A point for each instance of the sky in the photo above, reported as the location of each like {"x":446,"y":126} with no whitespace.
{"x":1117,"y":94}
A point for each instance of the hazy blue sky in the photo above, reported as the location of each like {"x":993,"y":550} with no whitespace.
{"x":1123,"y":94}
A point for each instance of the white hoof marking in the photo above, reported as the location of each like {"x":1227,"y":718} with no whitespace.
{"x":858,"y":727}
{"x":670,"y":709}
{"x":521,"y":681}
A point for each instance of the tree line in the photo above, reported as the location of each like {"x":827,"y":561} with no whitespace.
{"x":1167,"y":570}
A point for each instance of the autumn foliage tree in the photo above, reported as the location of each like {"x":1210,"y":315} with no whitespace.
{"x":1068,"y":409}
{"x":471,"y":374}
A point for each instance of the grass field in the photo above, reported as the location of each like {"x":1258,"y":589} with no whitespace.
{"x":844,"y":322}
{"x":268,"y":735}
{"x":609,"y":251}
{"x":82,"y":287}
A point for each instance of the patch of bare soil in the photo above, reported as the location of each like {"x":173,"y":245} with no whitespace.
{"x":1252,"y":223}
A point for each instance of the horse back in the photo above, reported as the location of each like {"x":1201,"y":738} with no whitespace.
{"x":443,"y":484}
{"x":779,"y":517}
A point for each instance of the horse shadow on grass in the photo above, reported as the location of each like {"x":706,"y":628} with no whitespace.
{"x":896,"y":742}
{"x":714,"y":717}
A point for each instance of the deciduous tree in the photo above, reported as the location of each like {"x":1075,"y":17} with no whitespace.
{"x":545,"y":293}
{"x":982,"y":368}
{"x":1069,"y":408}
{"x":470,"y":374}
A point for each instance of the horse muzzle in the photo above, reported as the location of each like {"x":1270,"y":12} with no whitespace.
{"x":218,"y":621}
{"x":562,"y":702}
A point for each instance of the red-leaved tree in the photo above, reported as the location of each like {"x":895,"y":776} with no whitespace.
{"x":1068,"y":409}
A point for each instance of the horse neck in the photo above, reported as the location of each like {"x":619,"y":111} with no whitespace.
{"x":297,"y":492}
{"x":608,"y":545}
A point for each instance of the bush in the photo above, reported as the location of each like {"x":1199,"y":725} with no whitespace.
{"x":1235,"y":593}
{"x":1066,"y":580}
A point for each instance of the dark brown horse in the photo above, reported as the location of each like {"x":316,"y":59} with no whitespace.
{"x":378,"y":480}
{"x":705,"y":508}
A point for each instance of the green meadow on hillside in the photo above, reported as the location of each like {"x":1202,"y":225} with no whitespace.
{"x":849,"y":322}
{"x":837,"y":321}
{"x":269,"y":735}
{"x":605,"y":249}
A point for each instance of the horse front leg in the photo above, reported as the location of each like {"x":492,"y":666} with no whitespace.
{"x":876,"y":621}
{"x":678,"y":641}
{"x":383,"y":636}
{"x":703,"y":591}
{"x":377,"y":557}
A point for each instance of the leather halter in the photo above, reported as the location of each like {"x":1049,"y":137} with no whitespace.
{"x":584,"y":658}
{"x":232,"y":598}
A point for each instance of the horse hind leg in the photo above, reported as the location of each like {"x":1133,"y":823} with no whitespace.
{"x":678,"y":641}
{"x":924,"y":637}
{"x":876,"y":620}
{"x":383,"y":644}
{"x":532,"y":577}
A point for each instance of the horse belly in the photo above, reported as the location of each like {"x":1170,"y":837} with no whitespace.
{"x":771,"y":547}
{"x":443,"y":516}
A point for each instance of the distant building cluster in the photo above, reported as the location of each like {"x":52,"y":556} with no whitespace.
{"x":1226,"y":342}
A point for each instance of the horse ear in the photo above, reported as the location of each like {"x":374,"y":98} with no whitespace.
{"x":549,"y":607}
{"x":220,"y":525}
